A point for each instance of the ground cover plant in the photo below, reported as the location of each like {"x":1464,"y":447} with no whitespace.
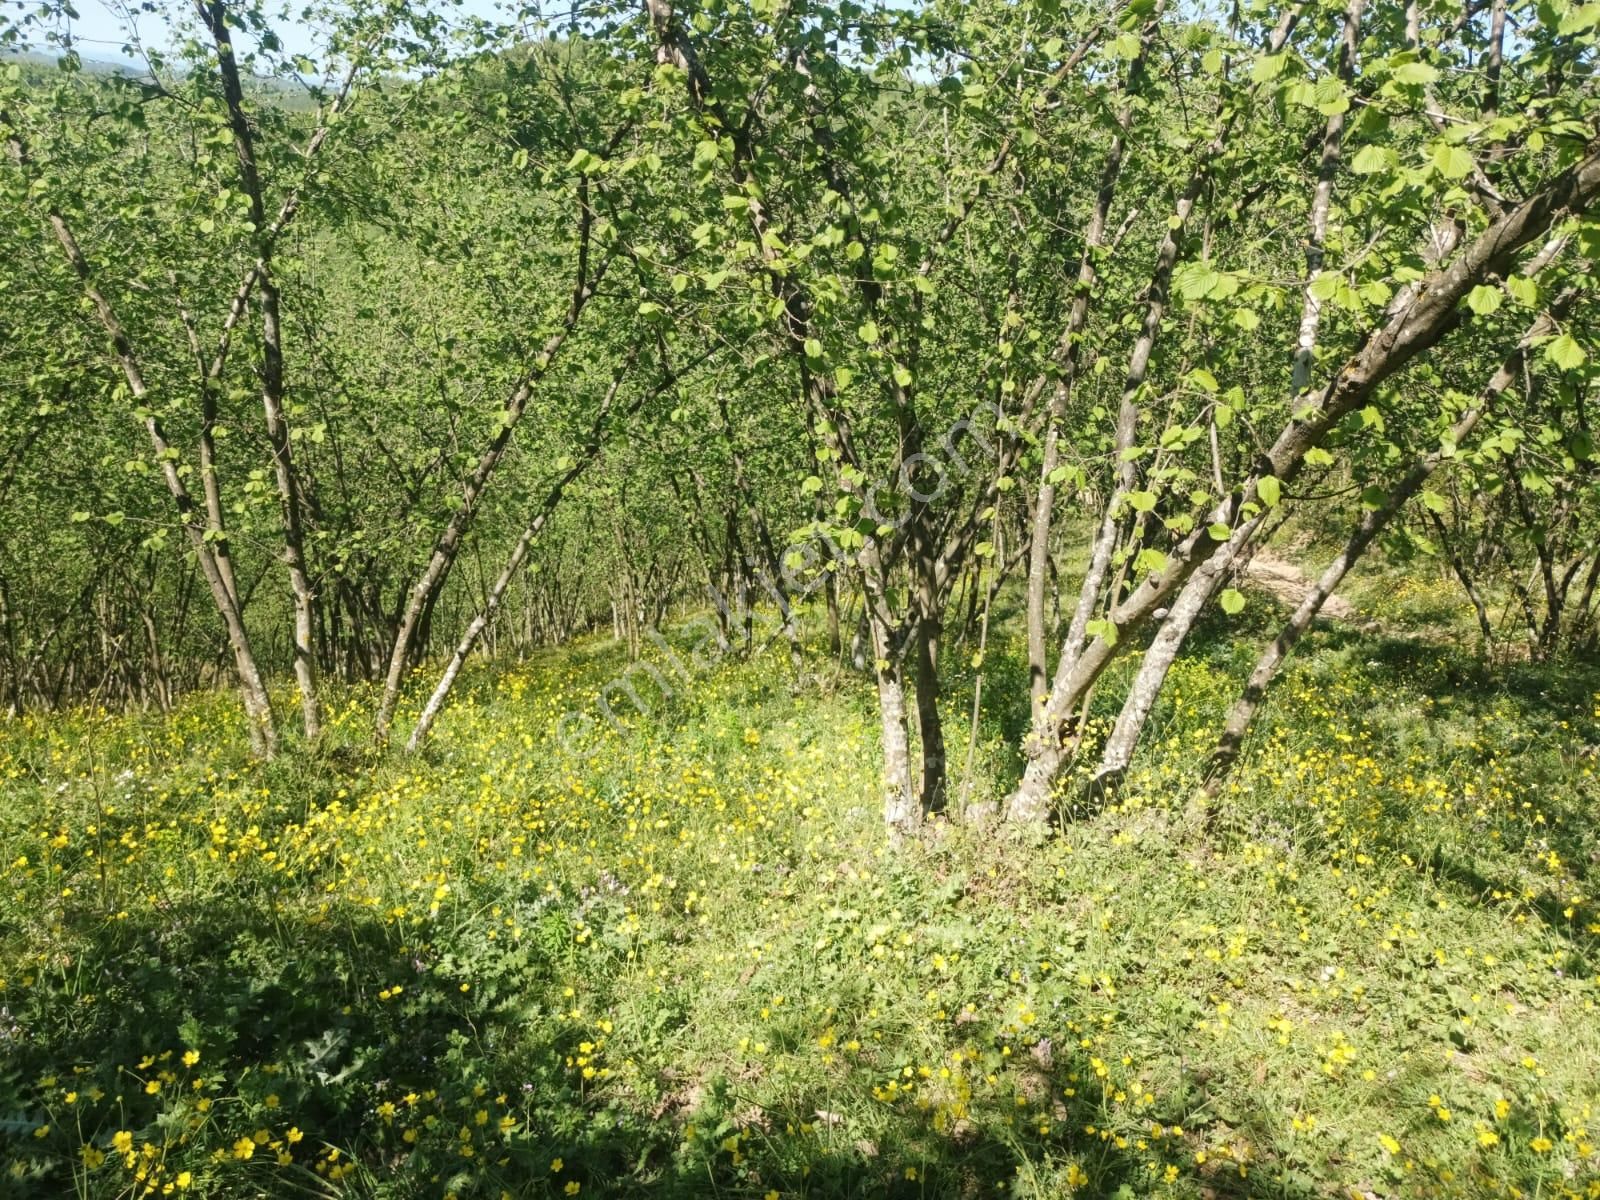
{"x":766,"y":598}
{"x":682,"y":958}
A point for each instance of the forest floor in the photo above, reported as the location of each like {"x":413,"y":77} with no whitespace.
{"x":1289,"y":585}
{"x":680,"y":958}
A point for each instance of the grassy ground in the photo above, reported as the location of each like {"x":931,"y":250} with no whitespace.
{"x":552,"y":958}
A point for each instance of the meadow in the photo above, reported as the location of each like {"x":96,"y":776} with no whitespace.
{"x":681,"y":956}
{"x":385,"y":386}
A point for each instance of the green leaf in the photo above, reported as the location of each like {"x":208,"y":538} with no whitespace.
{"x":1219,"y":531}
{"x":1267,"y":68}
{"x":1318,"y":457}
{"x":1579,"y":19}
{"x":1453,"y":162}
{"x":736,"y":203}
{"x":1523,"y":290}
{"x":1369,"y":160}
{"x":902,"y":375}
{"x":1565,"y":352}
{"x":1434,"y":502}
{"x":1269,"y":489}
{"x":1141,"y":501}
{"x":1330,"y":96}
{"x":1150,"y":560}
{"x":1232,"y":601}
{"x":1483,"y":300}
{"x":1325,"y":286}
{"x":867,"y":331}
{"x":843,"y":377}
{"x":1195,"y":280}
{"x":813,"y":348}
{"x":1416,"y":74}
{"x":1106,"y":631}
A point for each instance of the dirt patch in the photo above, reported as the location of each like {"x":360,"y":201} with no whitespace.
{"x":1290,"y":585}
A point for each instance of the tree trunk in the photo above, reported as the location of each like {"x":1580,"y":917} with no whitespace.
{"x":1068,"y":347}
{"x":1367,"y":528}
{"x":448,"y":543}
{"x":901,"y":813}
{"x":474,"y":630}
{"x":930,"y":729}
{"x":1464,"y":577}
{"x":1432,"y":311}
{"x":253,"y":692}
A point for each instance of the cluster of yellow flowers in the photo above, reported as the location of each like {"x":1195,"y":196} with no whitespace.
{"x":702,"y":935}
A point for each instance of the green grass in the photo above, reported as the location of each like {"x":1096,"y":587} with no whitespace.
{"x":684,"y":961}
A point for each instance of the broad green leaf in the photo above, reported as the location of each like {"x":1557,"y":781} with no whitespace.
{"x":1106,"y":631}
{"x":1267,"y":68}
{"x":1330,"y":96}
{"x":1150,"y":561}
{"x":1325,"y":286}
{"x":1483,"y":299}
{"x":1269,"y":489}
{"x":1453,"y":162}
{"x":1369,"y":160}
{"x":1232,"y":601}
{"x":1565,"y":352}
{"x":1416,"y":74}
{"x":1523,"y":290}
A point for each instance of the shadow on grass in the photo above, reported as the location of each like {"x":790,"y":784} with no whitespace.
{"x":342,"y":1030}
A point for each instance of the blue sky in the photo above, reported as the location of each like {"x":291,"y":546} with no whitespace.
{"x":100,"y":31}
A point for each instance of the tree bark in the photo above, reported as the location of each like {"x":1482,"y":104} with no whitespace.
{"x":1321,"y":204}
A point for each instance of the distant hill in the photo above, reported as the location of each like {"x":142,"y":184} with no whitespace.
{"x":287,"y":92}
{"x":95,"y":66}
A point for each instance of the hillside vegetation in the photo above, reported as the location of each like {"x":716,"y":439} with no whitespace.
{"x":773,"y":598}
{"x":682,"y":959}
